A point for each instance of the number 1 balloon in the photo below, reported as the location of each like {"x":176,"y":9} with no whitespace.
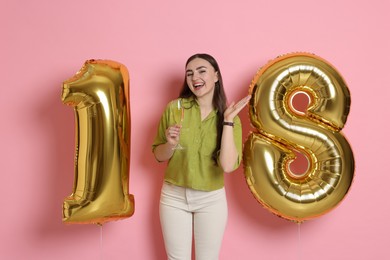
{"x":99,"y":94}
{"x":282,"y":132}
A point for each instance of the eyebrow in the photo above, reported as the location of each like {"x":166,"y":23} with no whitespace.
{"x":198,"y":68}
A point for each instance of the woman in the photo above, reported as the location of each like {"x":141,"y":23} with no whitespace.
{"x":193,"y":196}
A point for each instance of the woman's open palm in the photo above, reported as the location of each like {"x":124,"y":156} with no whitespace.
{"x":233,"y":109}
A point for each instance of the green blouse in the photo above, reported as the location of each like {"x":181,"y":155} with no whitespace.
{"x":193,"y":166}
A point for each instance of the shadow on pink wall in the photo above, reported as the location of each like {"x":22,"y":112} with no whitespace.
{"x":57,"y":120}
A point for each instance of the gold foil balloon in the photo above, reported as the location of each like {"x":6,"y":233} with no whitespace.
{"x":99,"y":94}
{"x":283,"y":132}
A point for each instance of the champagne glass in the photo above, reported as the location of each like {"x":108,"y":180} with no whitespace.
{"x":177,"y":111}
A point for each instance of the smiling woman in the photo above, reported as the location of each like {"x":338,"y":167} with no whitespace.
{"x":201,"y":78}
{"x":193,"y":199}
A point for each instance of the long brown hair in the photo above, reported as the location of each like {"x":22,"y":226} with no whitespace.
{"x":219,"y":98}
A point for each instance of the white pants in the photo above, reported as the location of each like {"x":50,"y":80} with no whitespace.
{"x":183,"y":210}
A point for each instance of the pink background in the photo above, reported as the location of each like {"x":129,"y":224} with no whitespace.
{"x":44,"y":42}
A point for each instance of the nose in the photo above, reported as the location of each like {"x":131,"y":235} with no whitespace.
{"x":195,"y":76}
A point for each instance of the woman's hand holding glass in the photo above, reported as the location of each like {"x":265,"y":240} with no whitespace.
{"x":173,"y":132}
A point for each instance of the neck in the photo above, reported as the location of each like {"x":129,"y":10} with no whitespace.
{"x":205,"y":102}
{"x":206,"y":106}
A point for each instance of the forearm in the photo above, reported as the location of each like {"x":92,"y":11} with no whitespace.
{"x":228,"y":155}
{"x":164,"y":152}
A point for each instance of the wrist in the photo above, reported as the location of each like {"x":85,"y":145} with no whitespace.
{"x":228,"y":123}
{"x":170,"y":145}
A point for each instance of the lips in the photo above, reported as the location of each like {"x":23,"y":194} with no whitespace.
{"x":198,"y":85}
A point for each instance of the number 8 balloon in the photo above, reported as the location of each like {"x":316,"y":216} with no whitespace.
{"x":99,"y":93}
{"x":283,"y":132}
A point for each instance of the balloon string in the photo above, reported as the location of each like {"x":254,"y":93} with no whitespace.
{"x":101,"y":242}
{"x":299,"y":241}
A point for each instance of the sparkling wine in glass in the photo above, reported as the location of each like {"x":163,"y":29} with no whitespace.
{"x":178,"y":116}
